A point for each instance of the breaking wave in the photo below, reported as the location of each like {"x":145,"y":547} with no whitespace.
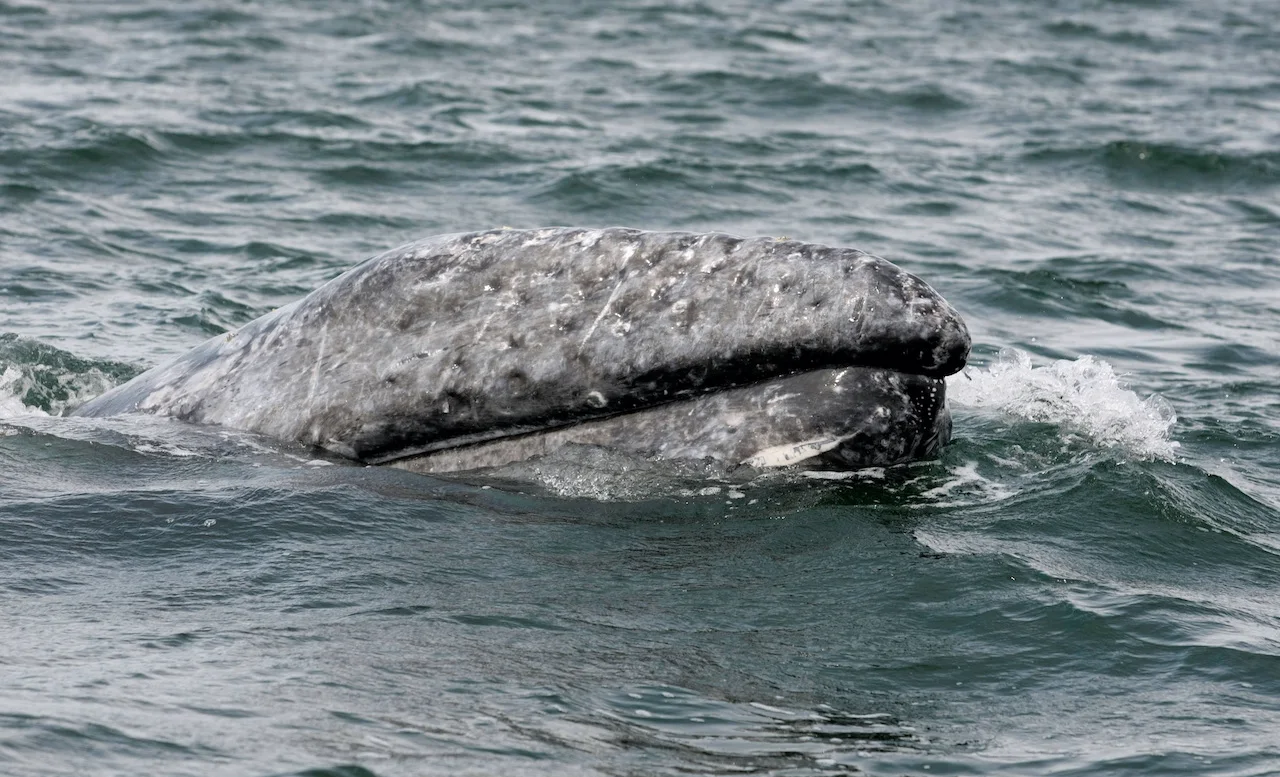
{"x":1084,"y":398}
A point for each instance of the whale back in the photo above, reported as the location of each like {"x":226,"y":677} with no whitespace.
{"x":463,"y":338}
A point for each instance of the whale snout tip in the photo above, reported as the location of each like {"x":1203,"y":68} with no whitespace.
{"x":954,"y":345}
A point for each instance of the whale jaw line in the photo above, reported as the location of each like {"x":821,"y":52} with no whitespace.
{"x":848,"y":418}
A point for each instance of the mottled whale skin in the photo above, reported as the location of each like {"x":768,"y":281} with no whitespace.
{"x":477,"y":349}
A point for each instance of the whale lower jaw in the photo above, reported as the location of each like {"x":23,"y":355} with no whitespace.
{"x":849,"y":418}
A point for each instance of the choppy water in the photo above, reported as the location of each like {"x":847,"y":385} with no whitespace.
{"x":1087,"y":582}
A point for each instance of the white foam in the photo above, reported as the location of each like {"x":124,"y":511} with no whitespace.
{"x":867,"y":473}
{"x":965,"y":486}
{"x":72,"y":388}
{"x":1084,"y":397}
{"x":164,"y":449}
{"x":13,"y":385}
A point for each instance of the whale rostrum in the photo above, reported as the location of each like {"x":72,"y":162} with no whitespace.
{"x":474,"y":349}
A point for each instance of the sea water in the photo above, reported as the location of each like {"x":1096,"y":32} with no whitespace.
{"x":1086,"y":582}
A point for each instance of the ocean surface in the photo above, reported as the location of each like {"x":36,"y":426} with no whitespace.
{"x":1086,"y":582}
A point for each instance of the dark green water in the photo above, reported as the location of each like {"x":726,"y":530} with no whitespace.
{"x":1081,"y":585}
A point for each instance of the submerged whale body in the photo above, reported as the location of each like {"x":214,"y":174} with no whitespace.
{"x":474,"y":350}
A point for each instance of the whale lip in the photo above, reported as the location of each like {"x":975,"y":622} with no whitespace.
{"x":461,"y":339}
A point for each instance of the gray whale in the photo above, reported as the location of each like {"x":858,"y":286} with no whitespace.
{"x":478,"y":349}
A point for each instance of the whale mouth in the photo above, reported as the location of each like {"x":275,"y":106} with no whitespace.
{"x":845,"y":418}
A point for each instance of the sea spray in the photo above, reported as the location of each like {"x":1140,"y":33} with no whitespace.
{"x":1083,"y":397}
{"x":39,"y":379}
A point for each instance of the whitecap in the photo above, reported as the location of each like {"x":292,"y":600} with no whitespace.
{"x":1083,"y":397}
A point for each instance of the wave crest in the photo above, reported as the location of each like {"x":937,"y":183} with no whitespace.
{"x":1084,"y":397}
{"x":39,"y":379}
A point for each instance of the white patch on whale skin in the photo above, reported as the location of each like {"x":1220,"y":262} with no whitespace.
{"x":781,"y":398}
{"x":590,"y":237}
{"x":540,"y":236}
{"x":713,"y":264}
{"x":613,"y":297}
{"x":315,"y":370}
{"x":792,"y":453}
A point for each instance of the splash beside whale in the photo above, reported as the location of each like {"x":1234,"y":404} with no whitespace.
{"x":478,"y":349}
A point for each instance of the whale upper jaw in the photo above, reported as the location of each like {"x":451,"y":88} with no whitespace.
{"x":466,"y":340}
